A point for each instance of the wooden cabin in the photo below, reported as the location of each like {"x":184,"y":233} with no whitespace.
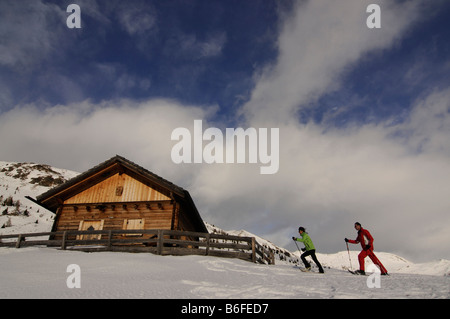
{"x":120,"y":195}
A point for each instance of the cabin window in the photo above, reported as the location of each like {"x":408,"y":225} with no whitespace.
{"x":133,"y":224}
{"x":90,"y":225}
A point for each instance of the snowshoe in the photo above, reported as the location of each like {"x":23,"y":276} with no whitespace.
{"x":357,"y":272}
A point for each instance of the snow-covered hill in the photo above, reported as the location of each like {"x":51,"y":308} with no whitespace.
{"x":17,"y":180}
{"x":20,"y":215}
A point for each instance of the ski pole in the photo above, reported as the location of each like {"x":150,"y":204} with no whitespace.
{"x":297,"y":249}
{"x":348,"y":250}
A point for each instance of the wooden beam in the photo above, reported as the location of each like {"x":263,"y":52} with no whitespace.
{"x":253,"y":250}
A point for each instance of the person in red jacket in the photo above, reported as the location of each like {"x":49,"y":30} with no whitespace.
{"x":366,"y":241}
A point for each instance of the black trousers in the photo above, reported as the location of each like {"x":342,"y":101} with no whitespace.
{"x":311,"y":253}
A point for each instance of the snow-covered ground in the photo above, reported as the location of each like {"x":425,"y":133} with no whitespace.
{"x":42,"y":273}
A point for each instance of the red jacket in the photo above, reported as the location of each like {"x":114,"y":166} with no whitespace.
{"x":364,"y":238}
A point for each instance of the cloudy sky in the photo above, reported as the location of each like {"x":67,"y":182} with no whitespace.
{"x":363,"y":114}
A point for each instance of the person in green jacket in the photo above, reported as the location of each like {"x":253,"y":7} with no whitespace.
{"x":309,"y":250}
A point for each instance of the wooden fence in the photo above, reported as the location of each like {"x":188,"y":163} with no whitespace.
{"x":157,"y":241}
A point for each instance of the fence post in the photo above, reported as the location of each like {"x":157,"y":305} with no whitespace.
{"x":19,"y":239}
{"x":208,"y":238}
{"x":109,"y":239}
{"x":253,"y":250}
{"x":159,"y":246}
{"x":63,"y":244}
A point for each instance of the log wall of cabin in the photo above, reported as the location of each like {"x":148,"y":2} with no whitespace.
{"x":155,"y":214}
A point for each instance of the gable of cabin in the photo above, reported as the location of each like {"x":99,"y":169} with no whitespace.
{"x":117,"y":188}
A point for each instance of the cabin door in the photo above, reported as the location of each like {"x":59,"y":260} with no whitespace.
{"x":90,"y":225}
{"x":133,"y":224}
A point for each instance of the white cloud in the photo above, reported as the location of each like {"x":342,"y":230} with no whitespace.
{"x":187,"y":46}
{"x":428,"y":127}
{"x":213,"y":45}
{"x":137,"y":19}
{"x":29,"y":31}
{"x":118,"y":76}
{"x":317,"y":43}
{"x":80,"y":135}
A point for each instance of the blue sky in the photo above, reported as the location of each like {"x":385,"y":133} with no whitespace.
{"x":198,"y":52}
{"x":363,"y":113}
{"x":206,"y":53}
{"x":385,"y":84}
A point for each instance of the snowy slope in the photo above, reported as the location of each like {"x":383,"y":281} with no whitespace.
{"x":17,"y":180}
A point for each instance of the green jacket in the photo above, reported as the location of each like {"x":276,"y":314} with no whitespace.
{"x":306,"y":240}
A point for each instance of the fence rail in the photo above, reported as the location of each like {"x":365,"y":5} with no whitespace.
{"x":157,"y":241}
